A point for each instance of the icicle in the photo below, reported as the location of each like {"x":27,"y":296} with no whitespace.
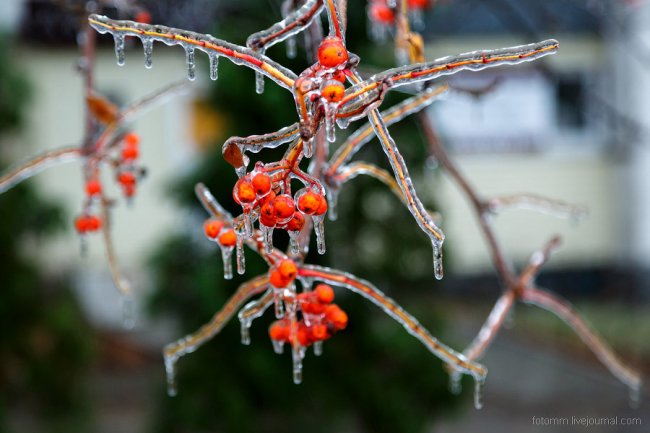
{"x":294,"y":244}
{"x":635,"y":397}
{"x":259,"y":83}
{"x":83,"y":246}
{"x":308,"y":148}
{"x":291,"y":48}
{"x":318,"y":348}
{"x":128,"y":316}
{"x":319,"y":228}
{"x":245,"y":332}
{"x":147,"y":45}
{"x":226,"y":255}
{"x":119,"y":48}
{"x":278,"y":346}
{"x":279,"y":305}
{"x":214,"y":67}
{"x":478,"y":392}
{"x":170,"y":370}
{"x":455,"y":386}
{"x":241,"y":171}
{"x":437,"y":259}
{"x":332,"y":201}
{"x":191,"y":65}
{"x":343,"y":122}
{"x":296,"y":356}
{"x":241,"y":258}
{"x":267,"y":238}
{"x":306,"y":284}
{"x":330,"y":122}
{"x":248,"y":222}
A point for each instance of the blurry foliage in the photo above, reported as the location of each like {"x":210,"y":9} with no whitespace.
{"x":44,"y":346}
{"x":374,"y":376}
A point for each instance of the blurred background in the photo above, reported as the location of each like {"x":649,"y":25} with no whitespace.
{"x":571,"y":126}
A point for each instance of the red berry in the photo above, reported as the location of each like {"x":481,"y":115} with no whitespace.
{"x":279,"y":331}
{"x":243,"y":192}
{"x":129,"y":190}
{"x":94,"y":223}
{"x":276,"y":279}
{"x":324,"y":293}
{"x":332,"y":52}
{"x":288,"y":269}
{"x":261,"y":183}
{"x":130,"y":152}
{"x":143,"y":16}
{"x":296,"y":223}
{"x":318,"y":332}
{"x":303,"y":335}
{"x":126,"y":178}
{"x":131,"y":139}
{"x":337,"y":317}
{"x":228,"y":238}
{"x":212,"y":227}
{"x":339,"y":76}
{"x":418,"y":4}
{"x":267,"y":215}
{"x":332,"y":91}
{"x":322,"y":208}
{"x":283,"y":207}
{"x":309,"y":201}
{"x":93,"y":187}
{"x":81,"y":224}
{"x":382,"y":13}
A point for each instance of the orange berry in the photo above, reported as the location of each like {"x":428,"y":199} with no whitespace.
{"x":339,"y":76}
{"x":382,"y":13}
{"x":332,"y":91}
{"x":288,"y":269}
{"x":93,"y":187}
{"x":143,"y":16}
{"x":228,"y":238}
{"x":126,"y":178}
{"x":324,"y":293}
{"x":131,"y":139}
{"x":322,"y":208}
{"x":243,"y":192}
{"x":303,"y":334}
{"x":93,"y":223}
{"x":81,"y":224}
{"x":337,"y":317}
{"x":130,"y":152}
{"x":267,"y":216}
{"x":261,"y":183}
{"x":418,"y":4}
{"x":212,"y":227}
{"x":312,"y":308}
{"x":318,"y":332}
{"x":283,"y":206}
{"x":279,"y":331}
{"x":332,"y":52}
{"x":277,"y":280}
{"x":309,"y":202}
{"x":296,"y":223}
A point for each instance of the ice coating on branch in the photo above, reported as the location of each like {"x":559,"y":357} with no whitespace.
{"x":119,"y":48}
{"x":147,"y":46}
{"x":226,"y":255}
{"x":214,"y":66}
{"x":191,"y":62}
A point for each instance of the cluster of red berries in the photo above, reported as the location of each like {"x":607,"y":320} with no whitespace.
{"x":214,"y":230}
{"x":129,"y":152}
{"x":87,"y":222}
{"x":320,"y":319}
{"x":380,"y":12}
{"x":277,"y":210}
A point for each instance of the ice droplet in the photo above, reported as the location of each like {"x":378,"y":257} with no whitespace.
{"x":267,"y":238}
{"x":170,"y":370}
{"x":241,"y":258}
{"x":318,"y":348}
{"x":319,"y":228}
{"x":259,"y":83}
{"x":214,"y":67}
{"x":330,"y":122}
{"x":278,"y":346}
{"x":455,"y":386}
{"x":437,"y":259}
{"x":245,"y":332}
{"x":291,"y":48}
{"x":308,"y":148}
{"x":147,"y":45}
{"x":191,"y":64}
{"x":226,"y":255}
{"x":119,"y":48}
{"x":128,"y":316}
{"x":478,"y":392}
